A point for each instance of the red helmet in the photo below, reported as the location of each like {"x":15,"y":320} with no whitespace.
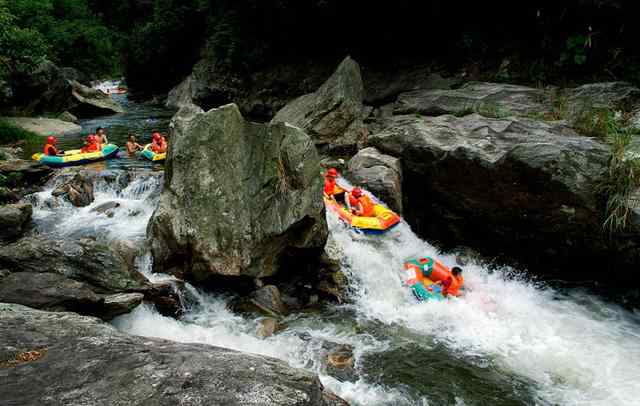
{"x":332,"y":172}
{"x":155,"y":136}
{"x":91,"y":138}
{"x":51,"y":140}
{"x":357,"y":192}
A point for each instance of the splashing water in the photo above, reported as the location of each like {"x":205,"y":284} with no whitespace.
{"x":134,"y":195}
{"x":575,"y":349}
{"x":560,"y":347}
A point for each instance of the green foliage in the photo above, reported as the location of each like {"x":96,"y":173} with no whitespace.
{"x":21,"y":49}
{"x":575,"y":50}
{"x":623,"y":177}
{"x":9,"y":133}
{"x":65,"y":31}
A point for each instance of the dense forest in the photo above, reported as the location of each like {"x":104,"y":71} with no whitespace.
{"x":155,"y":43}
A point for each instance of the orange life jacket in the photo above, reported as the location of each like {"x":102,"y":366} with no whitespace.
{"x":50,"y":150}
{"x":160,"y":147}
{"x":367,"y":205}
{"x":456,"y":284}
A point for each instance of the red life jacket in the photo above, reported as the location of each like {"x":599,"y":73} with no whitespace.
{"x":329,"y":185}
{"x":50,"y":150}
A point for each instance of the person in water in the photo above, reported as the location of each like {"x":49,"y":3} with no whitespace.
{"x":132,"y":145}
{"x":101,"y":135}
{"x":453,"y":284}
{"x":92,"y":144}
{"x":360,"y":204}
{"x":158,"y":143}
{"x":50,"y":148}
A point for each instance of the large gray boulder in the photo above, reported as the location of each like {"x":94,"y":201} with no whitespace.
{"x":378,"y":173}
{"x":527,"y":188}
{"x":237,"y":196}
{"x":332,"y":116}
{"x":91,"y":102}
{"x":82,"y":276}
{"x":491,"y":99}
{"x":80,"y":360}
{"x":14,"y":219}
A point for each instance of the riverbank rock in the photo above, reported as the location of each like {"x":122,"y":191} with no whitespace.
{"x":109,"y":367}
{"x":268,"y":300}
{"x":491,"y":99}
{"x":181,"y":95}
{"x":14,"y":219}
{"x":78,"y":191}
{"x":92,"y":102}
{"x":616,"y":95}
{"x":268,"y":327}
{"x":68,"y":117}
{"x":44,"y":126}
{"x":254,"y":193}
{"x":518,"y":186}
{"x":82,"y":276}
{"x":338,"y":361}
{"x":378,"y":173}
{"x":21,"y":177}
{"x":332,"y":116}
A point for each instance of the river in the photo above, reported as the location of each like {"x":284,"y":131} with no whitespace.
{"x":509,"y":341}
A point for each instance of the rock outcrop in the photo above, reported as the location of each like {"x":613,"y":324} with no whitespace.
{"x":82,"y":276}
{"x":80,"y":360}
{"x":78,"y":191}
{"x":495,"y":99}
{"x":21,"y":177}
{"x":14,"y":219}
{"x":44,"y":126}
{"x":237,"y":196}
{"x":519,"y":186}
{"x":333,"y":114}
{"x":258,"y":95}
{"x":378,"y":173}
{"x":91,"y":102}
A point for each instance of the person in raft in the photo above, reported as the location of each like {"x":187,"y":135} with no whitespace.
{"x":101,"y":135}
{"x":50,"y":148}
{"x":360,"y":204}
{"x":132,"y":145}
{"x":158,"y":143}
{"x":453,"y":284}
{"x":331,"y":189}
{"x":92,"y":144}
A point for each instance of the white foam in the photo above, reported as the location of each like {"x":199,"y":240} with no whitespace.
{"x":575,"y":354}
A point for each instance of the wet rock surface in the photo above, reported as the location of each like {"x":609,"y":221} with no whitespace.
{"x":109,"y":367}
{"x":380,"y":174}
{"x":245,"y":211}
{"x":78,"y":191}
